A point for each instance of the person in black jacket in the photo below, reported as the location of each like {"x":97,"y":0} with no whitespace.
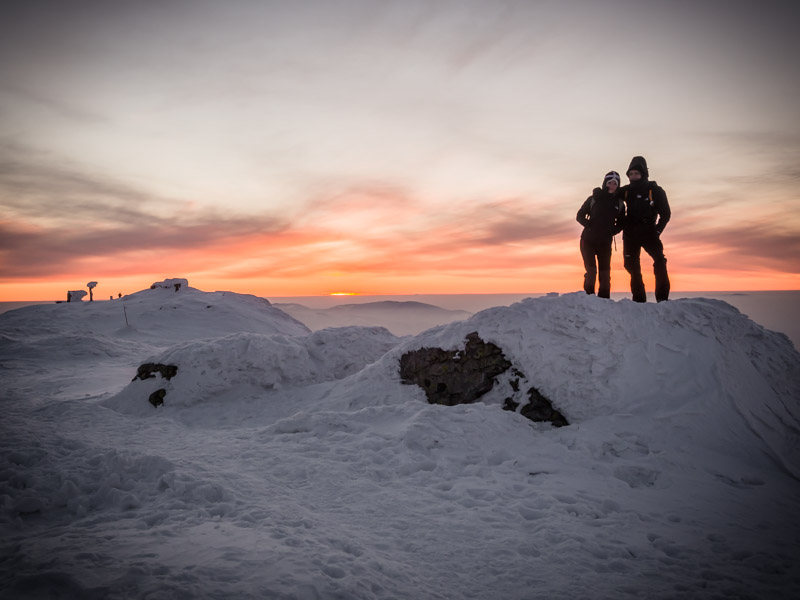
{"x":646,"y":217}
{"x":601,"y":216}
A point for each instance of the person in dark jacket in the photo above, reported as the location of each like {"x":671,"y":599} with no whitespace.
{"x":647,"y":214}
{"x":601,"y":216}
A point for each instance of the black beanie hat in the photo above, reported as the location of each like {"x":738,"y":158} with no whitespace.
{"x":608,"y":177}
{"x":638,"y":163}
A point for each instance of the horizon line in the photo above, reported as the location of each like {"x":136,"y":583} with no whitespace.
{"x":367,"y":295}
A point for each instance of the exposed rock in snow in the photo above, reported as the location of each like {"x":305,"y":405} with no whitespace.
{"x":157,"y":397}
{"x":540,"y":409}
{"x":76,"y":295}
{"x":462,"y":377}
{"x":149,"y":370}
{"x":454,"y":377}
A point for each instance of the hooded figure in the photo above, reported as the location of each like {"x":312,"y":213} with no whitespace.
{"x":638,"y":163}
{"x":601,"y":216}
{"x":647,"y":214}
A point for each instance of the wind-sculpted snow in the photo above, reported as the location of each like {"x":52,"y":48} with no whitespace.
{"x":300,"y":466}
{"x":247,"y":363}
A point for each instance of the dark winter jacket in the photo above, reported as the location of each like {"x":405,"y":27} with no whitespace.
{"x":645,"y":210}
{"x":641,"y":210}
{"x":601,"y":216}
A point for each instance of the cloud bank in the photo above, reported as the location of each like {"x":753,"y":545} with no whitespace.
{"x":62,"y":222}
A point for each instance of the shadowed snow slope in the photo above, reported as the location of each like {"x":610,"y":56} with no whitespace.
{"x":291,"y":465}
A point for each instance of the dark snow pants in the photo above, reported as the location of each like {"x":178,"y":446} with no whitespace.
{"x":633,"y":240}
{"x":597,"y":260}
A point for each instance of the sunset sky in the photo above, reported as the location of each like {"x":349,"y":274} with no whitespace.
{"x":287,"y":148}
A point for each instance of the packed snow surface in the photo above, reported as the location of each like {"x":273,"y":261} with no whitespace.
{"x":290,"y":464}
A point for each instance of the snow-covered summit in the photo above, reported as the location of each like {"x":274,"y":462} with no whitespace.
{"x":191,"y":314}
{"x":696,"y":364}
{"x":160,"y":316}
{"x":301,"y":466}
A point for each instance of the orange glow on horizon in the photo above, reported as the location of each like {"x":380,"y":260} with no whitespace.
{"x":504,"y":247}
{"x":563,"y":279}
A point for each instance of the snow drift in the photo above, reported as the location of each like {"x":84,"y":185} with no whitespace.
{"x":246,"y":364}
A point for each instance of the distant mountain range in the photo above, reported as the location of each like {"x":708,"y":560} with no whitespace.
{"x":401,"y":318}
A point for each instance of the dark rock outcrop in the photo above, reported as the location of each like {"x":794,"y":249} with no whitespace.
{"x":157,"y":397}
{"x":541,"y":409}
{"x":149,"y":370}
{"x":453,"y":377}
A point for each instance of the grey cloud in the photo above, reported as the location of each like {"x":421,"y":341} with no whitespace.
{"x":527,"y":227}
{"x":775,"y":155}
{"x":49,"y":252}
{"x":68,"y":110}
{"x":56,"y":215}
{"x":742,"y":247}
{"x":34,"y":185}
{"x":514,"y":220}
